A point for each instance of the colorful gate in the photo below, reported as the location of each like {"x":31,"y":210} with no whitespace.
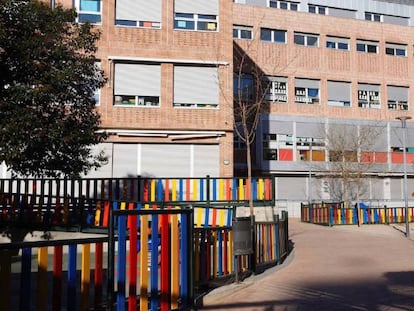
{"x":161,"y":277}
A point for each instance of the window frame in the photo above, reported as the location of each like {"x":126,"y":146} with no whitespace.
{"x":273,"y":35}
{"x":336,"y":41}
{"x":339,"y":103}
{"x":274,"y":93}
{"x":367,"y":44}
{"x":79,"y":19}
{"x":196,"y":19}
{"x":277,"y":4}
{"x":367,"y":98}
{"x":395,"y":47}
{"x":240,"y":29}
{"x":395,"y":104}
{"x":129,"y":99}
{"x":318,"y":8}
{"x":306,"y":37}
{"x":303,"y":88}
{"x":374,"y":17}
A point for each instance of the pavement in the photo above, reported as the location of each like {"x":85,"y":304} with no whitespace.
{"x":370,"y":267}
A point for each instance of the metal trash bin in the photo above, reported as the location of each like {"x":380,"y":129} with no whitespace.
{"x":242,"y":236}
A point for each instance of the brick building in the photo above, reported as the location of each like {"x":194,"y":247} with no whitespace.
{"x":329,"y":64}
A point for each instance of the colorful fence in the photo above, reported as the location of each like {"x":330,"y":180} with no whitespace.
{"x":83,"y":204}
{"x":334,"y":214}
{"x":52,"y":285}
{"x":157,"y":258}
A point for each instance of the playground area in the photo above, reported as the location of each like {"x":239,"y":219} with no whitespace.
{"x":152,"y":244}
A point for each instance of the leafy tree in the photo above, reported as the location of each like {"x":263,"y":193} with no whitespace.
{"x":48,"y":78}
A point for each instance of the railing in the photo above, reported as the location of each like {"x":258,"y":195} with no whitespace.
{"x":334,"y":214}
{"x":156,"y":258}
{"x":272,"y":240}
{"x":84,"y":204}
{"x":55,"y":284}
{"x":38,"y":191}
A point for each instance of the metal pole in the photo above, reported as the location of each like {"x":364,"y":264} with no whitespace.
{"x":404,"y":128}
{"x":310,"y":174}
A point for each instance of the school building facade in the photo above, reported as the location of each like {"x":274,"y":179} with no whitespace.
{"x":168,"y":103}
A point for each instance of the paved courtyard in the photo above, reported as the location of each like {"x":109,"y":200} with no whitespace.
{"x":339,"y":268}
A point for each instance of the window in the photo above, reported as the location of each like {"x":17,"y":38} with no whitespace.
{"x":138,"y":13}
{"x":284,"y":5}
{"x":368,"y":96}
{"x":189,"y":21}
{"x":307,"y":91}
{"x":367,"y":46}
{"x":343,"y":156}
{"x":317,"y":9}
{"x":389,"y":19}
{"x":196,"y":87}
{"x":276,"y":89}
{"x":242,"y":32}
{"x":277,"y":147}
{"x":395,"y":49}
{"x":339,"y":94}
{"x":374,"y":17}
{"x":97,"y":93}
{"x":243,"y":87}
{"x":397,"y":97}
{"x":201,"y":15}
{"x":306,"y":39}
{"x":238,"y":143}
{"x":337,"y":43}
{"x":310,"y":149}
{"x":89,"y":11}
{"x":137,"y":85}
{"x":273,"y":35}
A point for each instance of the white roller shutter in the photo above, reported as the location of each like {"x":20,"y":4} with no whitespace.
{"x":196,"y":85}
{"x":138,"y":10}
{"x":206,"y":160}
{"x":397,"y":93}
{"x":137,"y":79}
{"x":125,"y":160}
{"x":339,"y":91}
{"x":165,"y":160}
{"x":207,"y":7}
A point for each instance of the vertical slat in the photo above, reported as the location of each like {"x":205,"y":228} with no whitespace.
{"x":42,"y":258}
{"x":188,"y":190}
{"x":143,"y":298}
{"x":5,"y":278}
{"x":184,"y":256}
{"x":133,"y":239}
{"x":98,"y":277}
{"x":120,"y":297}
{"x":154,"y":263}
{"x":25,"y":279}
{"x":71,"y":293}
{"x":175,"y":262}
{"x":195,"y":190}
{"x":85,"y":276}
{"x":241,"y":189}
{"x":57,"y":277}
{"x":165,"y":260}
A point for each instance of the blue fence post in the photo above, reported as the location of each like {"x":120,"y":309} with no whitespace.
{"x":120,"y":297}
{"x":331,"y":216}
{"x":71,"y":301}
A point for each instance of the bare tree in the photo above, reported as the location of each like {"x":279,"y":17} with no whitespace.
{"x":351,"y":156}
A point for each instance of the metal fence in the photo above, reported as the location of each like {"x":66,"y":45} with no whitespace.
{"x":335,"y":214}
